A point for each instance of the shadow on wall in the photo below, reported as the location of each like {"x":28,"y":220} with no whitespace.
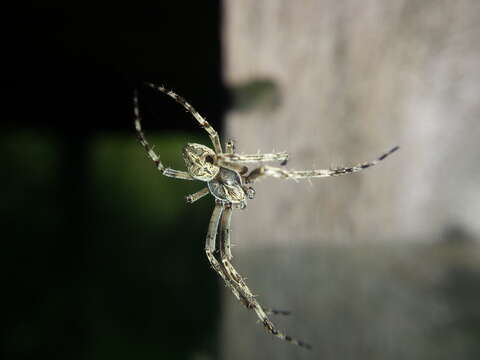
{"x":460,"y":288}
{"x":371,"y":301}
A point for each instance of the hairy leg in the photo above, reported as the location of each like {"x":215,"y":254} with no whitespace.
{"x":307,"y":174}
{"x":230,"y":147}
{"x":203,"y":123}
{"x":150,"y":153}
{"x":210,"y":250}
{"x":240,"y":285}
{"x":247,"y":158}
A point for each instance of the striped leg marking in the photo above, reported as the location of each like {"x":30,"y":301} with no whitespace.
{"x":241,"y":287}
{"x":203,"y":123}
{"x":306,"y":174}
{"x":150,"y":153}
{"x":230,"y":147}
{"x":248,"y":158}
{"x":210,"y":250}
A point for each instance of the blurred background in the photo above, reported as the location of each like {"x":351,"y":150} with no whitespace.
{"x":102,"y":257}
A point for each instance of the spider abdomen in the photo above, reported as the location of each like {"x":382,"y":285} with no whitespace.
{"x":227,"y":186}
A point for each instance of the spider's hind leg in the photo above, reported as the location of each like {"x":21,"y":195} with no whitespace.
{"x":241,"y":287}
{"x":218,"y":267}
{"x":210,"y":250}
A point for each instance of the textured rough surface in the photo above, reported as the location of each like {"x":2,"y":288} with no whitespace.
{"x":354,"y":79}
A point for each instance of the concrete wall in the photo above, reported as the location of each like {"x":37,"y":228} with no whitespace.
{"x":347,"y":80}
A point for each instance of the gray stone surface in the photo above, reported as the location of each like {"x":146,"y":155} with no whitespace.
{"x":351,"y":79}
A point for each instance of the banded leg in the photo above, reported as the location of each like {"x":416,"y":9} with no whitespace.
{"x":203,"y":123}
{"x":229,"y":150}
{"x":197,"y":196}
{"x":275,"y":312}
{"x":210,"y":250}
{"x":230,"y":147}
{"x":247,"y":158}
{"x":150,"y":153}
{"x":306,"y":174}
{"x":241,"y":286}
{"x":226,"y":253}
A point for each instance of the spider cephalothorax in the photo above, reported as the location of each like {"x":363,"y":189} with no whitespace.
{"x":227,"y":181}
{"x":200,"y":161}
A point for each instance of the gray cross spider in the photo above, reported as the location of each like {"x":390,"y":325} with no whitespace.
{"x":229,"y":181}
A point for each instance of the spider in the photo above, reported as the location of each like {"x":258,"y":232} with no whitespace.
{"x":229,"y":181}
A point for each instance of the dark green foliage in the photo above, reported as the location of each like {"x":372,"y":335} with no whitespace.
{"x":103,"y":257}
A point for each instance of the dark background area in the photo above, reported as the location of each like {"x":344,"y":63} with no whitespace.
{"x":102,"y":256}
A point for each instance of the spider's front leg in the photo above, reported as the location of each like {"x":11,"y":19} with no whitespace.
{"x":306,"y":174}
{"x":241,"y":287}
{"x":150,"y":153}
{"x":212,"y":133}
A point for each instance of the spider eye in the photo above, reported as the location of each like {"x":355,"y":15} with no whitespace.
{"x":209,"y":159}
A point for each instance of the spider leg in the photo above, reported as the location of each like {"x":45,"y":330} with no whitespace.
{"x":230,"y":150}
{"x":240,"y":285}
{"x":150,"y":153}
{"x":203,"y":123}
{"x":276,"y":312}
{"x":231,"y":156}
{"x":197,"y":196}
{"x":230,"y":147}
{"x":306,"y":174}
{"x":210,"y":250}
{"x":226,"y":254}
{"x":246,"y":158}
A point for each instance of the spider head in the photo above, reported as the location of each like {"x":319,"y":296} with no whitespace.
{"x":200,"y":161}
